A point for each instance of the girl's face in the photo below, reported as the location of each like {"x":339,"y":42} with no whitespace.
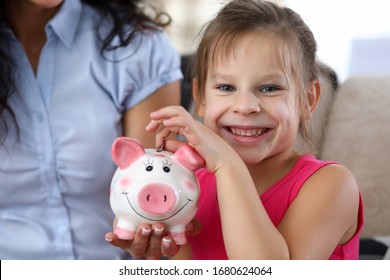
{"x":250,"y":103}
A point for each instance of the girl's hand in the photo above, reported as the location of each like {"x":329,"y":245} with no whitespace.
{"x":175,"y":119}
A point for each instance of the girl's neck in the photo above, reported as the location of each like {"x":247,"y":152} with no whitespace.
{"x":270,"y":170}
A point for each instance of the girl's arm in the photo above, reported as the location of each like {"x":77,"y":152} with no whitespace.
{"x":323,"y":215}
{"x":248,"y":232}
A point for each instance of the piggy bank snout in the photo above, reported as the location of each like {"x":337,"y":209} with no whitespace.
{"x":156,"y":198}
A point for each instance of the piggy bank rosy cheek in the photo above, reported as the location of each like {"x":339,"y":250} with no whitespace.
{"x":140,"y":194}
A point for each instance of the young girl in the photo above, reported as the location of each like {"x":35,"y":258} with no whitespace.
{"x":255,"y":86}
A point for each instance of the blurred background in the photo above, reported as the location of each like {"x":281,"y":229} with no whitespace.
{"x":353,"y":36}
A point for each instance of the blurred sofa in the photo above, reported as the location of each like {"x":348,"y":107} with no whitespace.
{"x":355,"y":131}
{"x":351,"y":125}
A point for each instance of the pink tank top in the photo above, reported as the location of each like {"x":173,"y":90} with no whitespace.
{"x":208,"y":244}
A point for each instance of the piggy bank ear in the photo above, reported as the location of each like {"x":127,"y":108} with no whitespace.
{"x":125,"y":151}
{"x":188,"y":157}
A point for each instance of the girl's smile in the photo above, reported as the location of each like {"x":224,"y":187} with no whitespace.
{"x":246,"y":135}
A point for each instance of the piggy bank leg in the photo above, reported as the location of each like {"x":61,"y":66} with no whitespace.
{"x":178,"y":234}
{"x":125,"y":230}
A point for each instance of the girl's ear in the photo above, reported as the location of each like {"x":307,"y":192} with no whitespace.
{"x":313,"y":96}
{"x":199,"y":105}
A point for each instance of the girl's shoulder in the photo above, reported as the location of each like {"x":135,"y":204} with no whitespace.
{"x":326,"y":176}
{"x":333,"y":174}
{"x":323,"y":170}
{"x":325,"y":210}
{"x":333,"y":189}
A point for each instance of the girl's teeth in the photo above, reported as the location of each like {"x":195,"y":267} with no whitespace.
{"x":247,"y":132}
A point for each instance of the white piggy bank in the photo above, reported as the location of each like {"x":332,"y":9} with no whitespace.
{"x":151,"y":186}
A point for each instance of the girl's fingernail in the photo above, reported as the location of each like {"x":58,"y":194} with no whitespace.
{"x":146,"y":231}
{"x":158,"y":231}
{"x":108,"y":239}
{"x":166,"y":242}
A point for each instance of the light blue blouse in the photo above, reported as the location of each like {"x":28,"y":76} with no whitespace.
{"x":55,"y":180}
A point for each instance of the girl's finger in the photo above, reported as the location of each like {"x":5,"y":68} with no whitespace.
{"x":154,"y":247}
{"x":152,"y":125}
{"x":120,"y":243}
{"x":140,"y":243}
{"x":168,"y":247}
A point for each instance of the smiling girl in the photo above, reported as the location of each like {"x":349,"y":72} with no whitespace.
{"x":256,"y":87}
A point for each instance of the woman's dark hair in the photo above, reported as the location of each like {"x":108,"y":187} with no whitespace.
{"x":140,"y":15}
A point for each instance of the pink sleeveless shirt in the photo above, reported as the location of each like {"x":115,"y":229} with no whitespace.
{"x":208,"y":244}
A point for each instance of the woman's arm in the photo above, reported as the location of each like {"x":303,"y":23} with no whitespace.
{"x":136,"y":118}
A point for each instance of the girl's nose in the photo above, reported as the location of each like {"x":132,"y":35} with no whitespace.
{"x":246,"y":103}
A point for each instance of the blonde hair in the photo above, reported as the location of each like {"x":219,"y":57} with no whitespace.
{"x":295,"y":47}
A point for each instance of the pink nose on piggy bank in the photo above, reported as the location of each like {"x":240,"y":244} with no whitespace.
{"x":156,"y":198}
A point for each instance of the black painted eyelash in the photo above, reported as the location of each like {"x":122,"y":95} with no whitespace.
{"x":149,"y":165}
{"x":166,"y":166}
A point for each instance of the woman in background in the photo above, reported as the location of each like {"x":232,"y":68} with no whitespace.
{"x":74,"y":75}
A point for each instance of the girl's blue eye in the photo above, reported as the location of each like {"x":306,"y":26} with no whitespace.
{"x":225,"y":88}
{"x":268,"y":88}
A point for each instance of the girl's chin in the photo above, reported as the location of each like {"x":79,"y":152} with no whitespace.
{"x":250,"y":156}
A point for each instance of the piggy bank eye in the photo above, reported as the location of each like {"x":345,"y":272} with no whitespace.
{"x":166,"y":167}
{"x":149,"y":168}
